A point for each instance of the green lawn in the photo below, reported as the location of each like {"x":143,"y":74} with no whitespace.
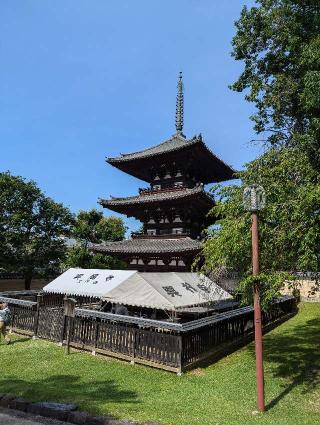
{"x":223,"y":393}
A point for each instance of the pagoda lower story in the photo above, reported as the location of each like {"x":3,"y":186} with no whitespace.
{"x":174,"y":208}
{"x":153,"y":254}
{"x":173,"y":218}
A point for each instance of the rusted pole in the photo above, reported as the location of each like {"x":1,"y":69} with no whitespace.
{"x":257,"y":315}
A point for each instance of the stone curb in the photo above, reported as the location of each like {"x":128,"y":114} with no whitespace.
{"x":62,"y":412}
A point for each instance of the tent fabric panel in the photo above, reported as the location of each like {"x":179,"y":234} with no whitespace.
{"x":138,"y":292}
{"x":170,"y":290}
{"x":87,"y":282}
{"x":174,"y":289}
{"x":216,"y":293}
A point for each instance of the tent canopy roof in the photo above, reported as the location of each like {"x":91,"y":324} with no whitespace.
{"x":165,"y":290}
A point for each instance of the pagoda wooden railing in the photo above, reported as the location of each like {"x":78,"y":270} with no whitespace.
{"x":138,"y":235}
{"x":147,"y":191}
{"x":166,"y":345}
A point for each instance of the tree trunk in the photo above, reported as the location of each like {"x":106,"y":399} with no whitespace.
{"x":84,"y":252}
{"x":27,"y":280}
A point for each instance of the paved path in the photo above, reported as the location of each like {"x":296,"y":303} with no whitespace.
{"x":14,"y":417}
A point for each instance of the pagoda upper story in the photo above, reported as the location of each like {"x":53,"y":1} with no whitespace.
{"x":190,"y":160}
{"x":174,"y":208}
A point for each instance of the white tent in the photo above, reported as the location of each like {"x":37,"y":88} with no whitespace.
{"x":165,"y":290}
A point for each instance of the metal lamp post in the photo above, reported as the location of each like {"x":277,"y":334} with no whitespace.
{"x":254,"y":201}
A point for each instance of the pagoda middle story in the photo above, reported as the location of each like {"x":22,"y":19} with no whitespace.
{"x":174,"y":208}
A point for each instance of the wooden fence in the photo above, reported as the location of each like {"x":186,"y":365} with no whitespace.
{"x":171,"y":346}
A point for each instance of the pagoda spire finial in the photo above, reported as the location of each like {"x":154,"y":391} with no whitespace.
{"x":179,"y":106}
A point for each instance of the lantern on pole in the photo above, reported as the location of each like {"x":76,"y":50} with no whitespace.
{"x":254,"y":200}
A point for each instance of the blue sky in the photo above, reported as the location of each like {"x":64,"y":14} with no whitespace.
{"x":85,"y":79}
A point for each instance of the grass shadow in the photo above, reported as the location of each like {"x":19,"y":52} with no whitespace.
{"x":17,"y":341}
{"x":68,"y":388}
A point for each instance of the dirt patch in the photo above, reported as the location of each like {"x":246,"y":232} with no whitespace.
{"x":197,"y":372}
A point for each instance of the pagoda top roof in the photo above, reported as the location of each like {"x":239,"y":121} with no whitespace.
{"x":149,"y":246}
{"x":176,"y":142}
{"x":209,"y":166}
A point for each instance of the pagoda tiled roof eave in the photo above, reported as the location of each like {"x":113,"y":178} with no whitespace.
{"x":158,"y":196}
{"x":149,"y":246}
{"x":129,"y":162}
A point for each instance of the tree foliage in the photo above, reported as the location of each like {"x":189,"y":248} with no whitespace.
{"x":92,"y":227}
{"x":270,"y":285}
{"x":32,"y":228}
{"x":279,"y":43}
{"x":288,"y":226}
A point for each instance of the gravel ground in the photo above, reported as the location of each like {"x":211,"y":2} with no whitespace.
{"x":15,"y":417}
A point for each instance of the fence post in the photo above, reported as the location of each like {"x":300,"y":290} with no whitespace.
{"x":69,"y":332}
{"x":96,"y":334}
{"x":69,"y":312}
{"x":134,"y":346}
{"x":36,"y":318}
{"x":13,"y":311}
{"x":179,"y":372}
{"x":62,"y":330}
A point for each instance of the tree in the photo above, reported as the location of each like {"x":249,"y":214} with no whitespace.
{"x":279,"y":42}
{"x":32,"y":227}
{"x":288,"y":226}
{"x":92,"y":227}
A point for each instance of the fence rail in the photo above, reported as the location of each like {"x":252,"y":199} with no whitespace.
{"x":171,"y":346}
{"x":23,"y":314}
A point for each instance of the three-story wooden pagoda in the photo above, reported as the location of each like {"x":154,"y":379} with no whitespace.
{"x":174,"y":208}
